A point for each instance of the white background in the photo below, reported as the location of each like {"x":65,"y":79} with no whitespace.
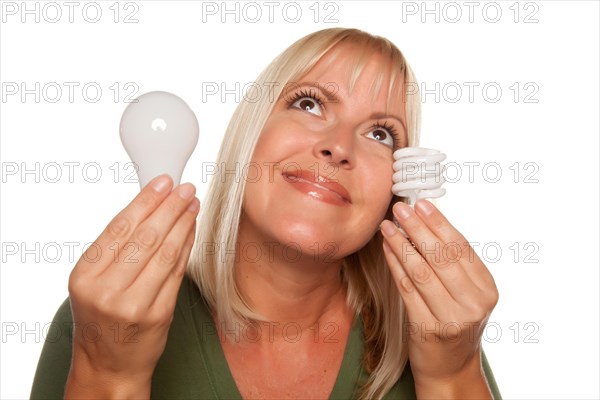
{"x":543,"y":336}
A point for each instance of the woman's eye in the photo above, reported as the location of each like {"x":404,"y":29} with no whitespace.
{"x":383,"y":135}
{"x":308,"y":104}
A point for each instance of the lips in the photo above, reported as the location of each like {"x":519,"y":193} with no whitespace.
{"x":302,"y":178}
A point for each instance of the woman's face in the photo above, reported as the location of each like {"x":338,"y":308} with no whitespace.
{"x":326,"y":160}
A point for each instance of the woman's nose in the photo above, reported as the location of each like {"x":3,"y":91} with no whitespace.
{"x":337,"y":146}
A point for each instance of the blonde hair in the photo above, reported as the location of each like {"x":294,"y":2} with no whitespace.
{"x":371,"y":290}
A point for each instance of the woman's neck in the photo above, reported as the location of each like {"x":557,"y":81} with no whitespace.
{"x":287,"y":286}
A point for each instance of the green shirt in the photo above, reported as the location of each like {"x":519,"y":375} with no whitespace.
{"x":193,"y":364}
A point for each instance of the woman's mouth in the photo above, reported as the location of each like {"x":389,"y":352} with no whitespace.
{"x":318,"y":187}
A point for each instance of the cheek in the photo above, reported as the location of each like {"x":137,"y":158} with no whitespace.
{"x":277,"y":141}
{"x":378,"y":189}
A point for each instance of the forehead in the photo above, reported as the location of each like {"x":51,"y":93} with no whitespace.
{"x":361,"y":73}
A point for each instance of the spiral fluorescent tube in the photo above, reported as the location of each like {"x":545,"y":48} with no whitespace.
{"x":418,"y":173}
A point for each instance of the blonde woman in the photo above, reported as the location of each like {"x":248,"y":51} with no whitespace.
{"x":298,"y":285}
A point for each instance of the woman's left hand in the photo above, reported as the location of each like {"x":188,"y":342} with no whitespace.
{"x":449,"y":295}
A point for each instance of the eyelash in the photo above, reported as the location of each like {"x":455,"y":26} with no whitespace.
{"x":390,"y":128}
{"x":311,"y":93}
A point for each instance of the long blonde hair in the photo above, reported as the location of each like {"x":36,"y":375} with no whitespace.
{"x":371,"y":290}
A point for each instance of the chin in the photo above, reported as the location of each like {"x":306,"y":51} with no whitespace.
{"x":299,"y":236}
{"x":319,"y":239}
{"x":304,"y":232}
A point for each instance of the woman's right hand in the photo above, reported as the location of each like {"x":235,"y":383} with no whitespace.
{"x":123,"y":292}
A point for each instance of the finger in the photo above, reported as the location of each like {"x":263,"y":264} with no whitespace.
{"x":167,"y":297}
{"x":434,"y":293}
{"x":439,"y":255}
{"x":101,"y":253}
{"x":416,"y":307}
{"x":182,"y":263}
{"x":456,"y":247}
{"x":148,"y":237}
{"x":166,"y":259}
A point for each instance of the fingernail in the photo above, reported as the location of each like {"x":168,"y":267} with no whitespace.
{"x":186,"y":191}
{"x":402,"y":210}
{"x":388,"y":228}
{"x":161,"y":183}
{"x":194,"y":205}
{"x":424,"y":207}
{"x":407,"y":284}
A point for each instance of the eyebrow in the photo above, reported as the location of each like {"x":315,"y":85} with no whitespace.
{"x":332,"y":97}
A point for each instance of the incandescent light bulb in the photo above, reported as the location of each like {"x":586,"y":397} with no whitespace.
{"x":159,"y":132}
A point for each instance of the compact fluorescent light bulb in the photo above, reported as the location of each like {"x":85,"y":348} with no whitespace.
{"x":159,"y":132}
{"x":418,"y":173}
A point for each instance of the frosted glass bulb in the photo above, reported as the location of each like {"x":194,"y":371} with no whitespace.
{"x":418,"y":173}
{"x":159,"y":132}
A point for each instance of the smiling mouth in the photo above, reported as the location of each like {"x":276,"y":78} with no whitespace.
{"x":298,"y":179}
{"x":332,"y":190}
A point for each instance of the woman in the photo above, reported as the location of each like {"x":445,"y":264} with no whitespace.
{"x":296,"y":288}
